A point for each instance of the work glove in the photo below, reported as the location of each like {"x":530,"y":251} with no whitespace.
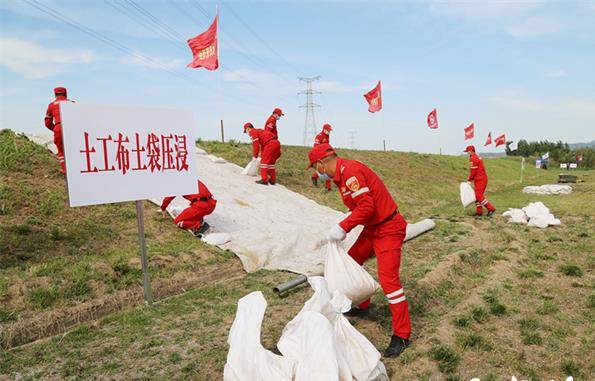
{"x":336,"y":234}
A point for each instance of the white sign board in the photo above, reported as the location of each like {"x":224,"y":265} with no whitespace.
{"x":563,"y":166}
{"x":572,"y":165}
{"x":116,"y":154}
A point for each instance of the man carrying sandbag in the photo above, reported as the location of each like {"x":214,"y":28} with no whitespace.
{"x":478,"y":175}
{"x":191,"y":218}
{"x":372,"y":206}
{"x":270,"y":150}
{"x":321,"y":138}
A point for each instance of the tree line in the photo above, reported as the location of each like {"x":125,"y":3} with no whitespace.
{"x":558,"y":152}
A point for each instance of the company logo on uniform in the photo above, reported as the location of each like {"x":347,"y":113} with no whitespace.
{"x":352,"y":183}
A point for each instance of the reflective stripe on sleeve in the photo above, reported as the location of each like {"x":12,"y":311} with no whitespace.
{"x":358,"y":192}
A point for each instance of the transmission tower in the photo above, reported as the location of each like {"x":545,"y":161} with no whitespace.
{"x":310,"y":123}
{"x":352,"y":135}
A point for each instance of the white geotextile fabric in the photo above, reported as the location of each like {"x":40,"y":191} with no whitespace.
{"x":319,"y":342}
{"x":467,"y":194}
{"x":267,"y":227}
{"x":535,"y":214}
{"x":548,"y":189}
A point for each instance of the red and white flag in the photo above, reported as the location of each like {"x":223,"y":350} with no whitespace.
{"x":500,"y":140}
{"x":433,"y":119}
{"x":470,"y":132}
{"x":205,"y":48}
{"x":488,"y":140}
{"x":374,"y":98}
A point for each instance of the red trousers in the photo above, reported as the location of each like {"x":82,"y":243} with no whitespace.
{"x":60,"y":146}
{"x":480,"y":200}
{"x":385,"y":241}
{"x":327,"y":183}
{"x":192,"y":216}
{"x":270,"y":153}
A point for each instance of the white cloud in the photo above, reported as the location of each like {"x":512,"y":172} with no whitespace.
{"x":473,"y":10}
{"x":515,"y":102}
{"x":534,"y":27}
{"x":558,"y":73}
{"x":32,"y":60}
{"x":155,"y":63}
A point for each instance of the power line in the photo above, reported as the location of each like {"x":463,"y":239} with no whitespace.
{"x":352,"y":135}
{"x":309,"y":128}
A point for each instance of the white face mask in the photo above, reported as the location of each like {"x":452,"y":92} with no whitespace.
{"x":277,"y":116}
{"x":327,"y":132}
{"x":323,"y":176}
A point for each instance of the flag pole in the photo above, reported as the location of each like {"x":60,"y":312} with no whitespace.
{"x":219,"y":88}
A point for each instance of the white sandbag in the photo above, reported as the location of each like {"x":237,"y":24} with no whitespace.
{"x":355,"y":349}
{"x":247,"y":359}
{"x":216,"y":159}
{"x":467,"y":194}
{"x":548,"y":189}
{"x":515,"y":216}
{"x":418,"y":228}
{"x":316,"y":349}
{"x":345,"y":275}
{"x":252,"y":167}
{"x":216,"y":239}
{"x":175,"y":210}
{"x":320,"y":301}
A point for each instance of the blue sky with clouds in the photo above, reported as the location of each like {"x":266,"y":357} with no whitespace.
{"x":524,"y":68}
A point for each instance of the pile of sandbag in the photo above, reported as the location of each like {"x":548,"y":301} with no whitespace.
{"x":535,"y":214}
{"x":548,"y":189}
{"x":319,"y":343}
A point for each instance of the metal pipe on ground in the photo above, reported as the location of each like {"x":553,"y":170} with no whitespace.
{"x":284,"y":287}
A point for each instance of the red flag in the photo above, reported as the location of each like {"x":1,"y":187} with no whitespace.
{"x":489,"y":140}
{"x":469,"y":132}
{"x":374,"y":98}
{"x":500,"y":140}
{"x":205,"y":48}
{"x":433,"y":119}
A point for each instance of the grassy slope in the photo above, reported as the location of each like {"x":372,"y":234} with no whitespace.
{"x":487,"y":299}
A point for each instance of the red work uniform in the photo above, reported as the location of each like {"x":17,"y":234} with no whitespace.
{"x":320,"y":139}
{"x":53,"y":122}
{"x":269,"y":147}
{"x":478,"y":175}
{"x":271,"y":126}
{"x":372,"y":206}
{"x":201,"y":204}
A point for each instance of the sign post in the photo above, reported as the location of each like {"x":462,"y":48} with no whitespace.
{"x":118,"y":154}
{"x":522,"y":168}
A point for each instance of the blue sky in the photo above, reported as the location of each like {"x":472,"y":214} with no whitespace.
{"x":524,"y":68}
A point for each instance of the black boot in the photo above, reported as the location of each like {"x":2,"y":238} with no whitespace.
{"x":491,"y":212}
{"x":271,"y":182}
{"x":201,"y":230}
{"x":315,"y":181}
{"x":356,"y":312}
{"x":262,"y":182}
{"x":396,"y":346}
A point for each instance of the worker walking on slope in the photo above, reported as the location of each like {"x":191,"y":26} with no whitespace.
{"x":322,"y":137}
{"x":372,"y":206}
{"x":191,"y":218}
{"x":478,"y":175}
{"x":265,"y":143}
{"x":53,"y":122}
{"x":271,"y":124}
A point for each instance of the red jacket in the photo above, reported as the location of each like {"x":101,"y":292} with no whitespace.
{"x":476,"y":169}
{"x":204,"y":194}
{"x":259,"y":139}
{"x":52,"y":115}
{"x":321,"y":138}
{"x":364,"y":193}
{"x":271,"y":126}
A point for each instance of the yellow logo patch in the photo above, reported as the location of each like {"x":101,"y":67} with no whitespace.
{"x":352,"y":183}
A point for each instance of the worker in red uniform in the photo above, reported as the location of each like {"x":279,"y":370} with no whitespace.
{"x":322,"y":137}
{"x":265,"y":143}
{"x":478,"y":175}
{"x":53,"y":122}
{"x":372,"y":206}
{"x":271,"y":124}
{"x":191,"y":218}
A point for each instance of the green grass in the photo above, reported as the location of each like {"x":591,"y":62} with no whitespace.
{"x":502,"y":300}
